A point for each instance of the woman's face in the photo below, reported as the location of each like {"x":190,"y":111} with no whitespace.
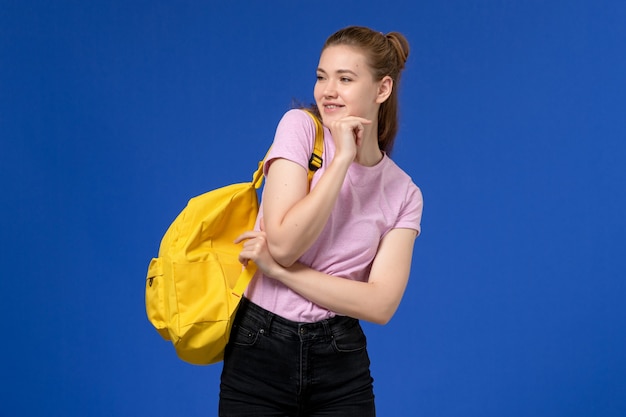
{"x":345,"y":85}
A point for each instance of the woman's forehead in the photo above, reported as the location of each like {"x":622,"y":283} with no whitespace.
{"x":342,"y":57}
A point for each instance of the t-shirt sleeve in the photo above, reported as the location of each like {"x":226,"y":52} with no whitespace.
{"x":411,"y":214}
{"x":293,"y":140}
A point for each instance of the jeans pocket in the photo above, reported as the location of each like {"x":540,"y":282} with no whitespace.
{"x":243,"y":336}
{"x":352,"y":340}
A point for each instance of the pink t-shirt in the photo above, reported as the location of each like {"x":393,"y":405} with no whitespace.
{"x":372,"y":201}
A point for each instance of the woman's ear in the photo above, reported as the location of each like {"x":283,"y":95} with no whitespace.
{"x":385,"y":86}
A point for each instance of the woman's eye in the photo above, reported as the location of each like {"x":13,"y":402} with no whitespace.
{"x":345,"y":79}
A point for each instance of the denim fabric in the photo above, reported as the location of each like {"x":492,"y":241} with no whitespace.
{"x":276,"y":367}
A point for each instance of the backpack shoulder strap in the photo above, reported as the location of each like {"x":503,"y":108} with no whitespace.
{"x":316,"y":160}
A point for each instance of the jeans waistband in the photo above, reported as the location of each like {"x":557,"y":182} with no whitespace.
{"x":250,"y":312}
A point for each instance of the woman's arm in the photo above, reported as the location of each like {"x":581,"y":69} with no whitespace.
{"x":294,"y":217}
{"x":374,"y":301}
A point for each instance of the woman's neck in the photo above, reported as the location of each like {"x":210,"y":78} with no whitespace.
{"x":369,"y":154}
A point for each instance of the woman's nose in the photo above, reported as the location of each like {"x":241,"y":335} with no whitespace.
{"x":330,"y":89}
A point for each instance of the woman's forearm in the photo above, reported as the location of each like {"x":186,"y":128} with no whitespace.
{"x":362,"y":300}
{"x":375,"y":300}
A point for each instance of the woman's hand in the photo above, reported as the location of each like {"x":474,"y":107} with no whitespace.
{"x":255,"y":249}
{"x":348,"y":134}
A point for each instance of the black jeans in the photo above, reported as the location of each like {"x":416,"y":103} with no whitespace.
{"x":276,"y":367}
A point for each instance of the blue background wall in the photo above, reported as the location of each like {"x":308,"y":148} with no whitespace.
{"x":113,"y":114}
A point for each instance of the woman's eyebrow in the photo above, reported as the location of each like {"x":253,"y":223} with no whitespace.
{"x":340,"y":71}
{"x":346,"y":71}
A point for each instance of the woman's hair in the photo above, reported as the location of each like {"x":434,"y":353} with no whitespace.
{"x":386,"y":55}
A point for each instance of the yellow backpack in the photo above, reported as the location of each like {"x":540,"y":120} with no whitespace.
{"x":195,"y":284}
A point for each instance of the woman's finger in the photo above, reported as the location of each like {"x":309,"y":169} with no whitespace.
{"x":250,"y":234}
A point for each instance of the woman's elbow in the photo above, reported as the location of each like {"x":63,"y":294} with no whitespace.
{"x":282,"y":255}
{"x":380,"y":315}
{"x":384,"y":307}
{"x":381,"y":319}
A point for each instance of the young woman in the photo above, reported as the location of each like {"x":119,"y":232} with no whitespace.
{"x":329,"y":255}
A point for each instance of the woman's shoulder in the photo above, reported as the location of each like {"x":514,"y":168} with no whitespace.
{"x":398,"y":172}
{"x":297,"y":124}
{"x":296,"y":117}
{"x":397,"y":175}
{"x":294,"y":138}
